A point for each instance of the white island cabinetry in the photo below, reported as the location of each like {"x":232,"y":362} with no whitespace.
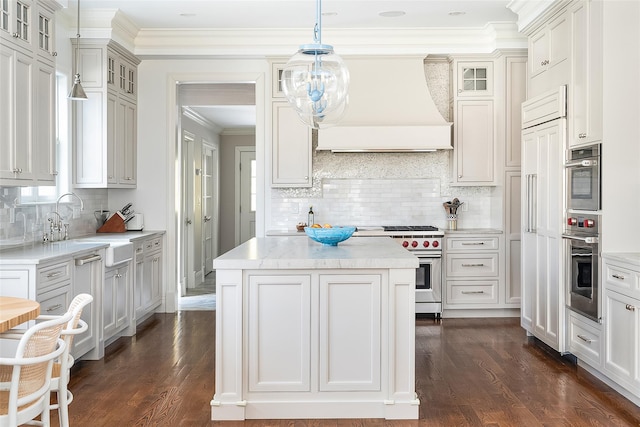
{"x":311,"y":331}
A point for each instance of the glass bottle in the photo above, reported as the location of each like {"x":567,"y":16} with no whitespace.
{"x":310,"y":217}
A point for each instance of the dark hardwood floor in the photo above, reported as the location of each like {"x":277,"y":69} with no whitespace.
{"x":470,"y":372}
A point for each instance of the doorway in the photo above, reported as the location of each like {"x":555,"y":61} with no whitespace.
{"x":211,"y":113}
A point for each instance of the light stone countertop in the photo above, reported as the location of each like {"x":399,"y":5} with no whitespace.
{"x":38,"y":253}
{"x":627,"y":257}
{"x":287,"y":252}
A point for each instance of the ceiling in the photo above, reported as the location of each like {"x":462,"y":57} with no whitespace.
{"x":301,"y":13}
{"x":298,"y":14}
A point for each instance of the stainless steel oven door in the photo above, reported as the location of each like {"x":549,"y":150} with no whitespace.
{"x":429,"y":283}
{"x":582,"y":273}
{"x":583,"y":179}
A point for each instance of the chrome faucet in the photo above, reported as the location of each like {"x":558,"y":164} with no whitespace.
{"x":59,"y":225}
{"x":54,"y":227}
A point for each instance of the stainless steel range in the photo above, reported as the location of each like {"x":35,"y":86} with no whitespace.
{"x":425,"y":242}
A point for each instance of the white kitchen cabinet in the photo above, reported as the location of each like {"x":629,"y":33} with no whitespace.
{"x":474,"y":79}
{"x":585,"y":94}
{"x":148,"y":277}
{"x":585,"y":339}
{"x":473,"y":271}
{"x":115,"y":300}
{"x":621,"y":320}
{"x":549,"y":55}
{"x":542,"y":304}
{"x":27,"y":94}
{"x":105,"y":154}
{"x":474,"y":143}
{"x":291,"y":148}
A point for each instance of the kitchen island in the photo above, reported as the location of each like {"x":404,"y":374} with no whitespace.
{"x":305,"y":330}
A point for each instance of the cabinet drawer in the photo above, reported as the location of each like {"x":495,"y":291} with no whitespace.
{"x":622,"y":280}
{"x":476,"y":292}
{"x":472,"y":244}
{"x":585,"y":340}
{"x":55,"y":302}
{"x":466,"y":265}
{"x":153,"y":244}
{"x":52,"y":274}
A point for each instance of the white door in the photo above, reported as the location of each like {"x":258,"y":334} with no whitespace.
{"x":245,"y":194}
{"x":209,"y":206}
{"x":188,"y":211}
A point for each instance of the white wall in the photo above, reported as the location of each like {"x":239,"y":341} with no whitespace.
{"x":621,"y":127}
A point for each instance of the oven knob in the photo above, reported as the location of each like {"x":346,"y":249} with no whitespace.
{"x":435,"y":244}
{"x":405,"y":244}
{"x":589,"y":223}
{"x":414,"y":244}
{"x":572,"y":221}
{"x":425,"y":243}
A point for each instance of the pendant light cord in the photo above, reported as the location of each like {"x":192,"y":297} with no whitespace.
{"x":78,"y":37}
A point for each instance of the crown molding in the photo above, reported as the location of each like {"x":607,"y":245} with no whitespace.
{"x":528,"y":11}
{"x":190,"y":114}
{"x":162,"y":43}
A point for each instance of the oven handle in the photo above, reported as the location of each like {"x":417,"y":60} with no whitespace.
{"x":585,"y":163}
{"x":430,"y":255}
{"x":590,"y":240}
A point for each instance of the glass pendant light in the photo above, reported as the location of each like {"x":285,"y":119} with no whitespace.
{"x":77,"y":92}
{"x":315,"y":81}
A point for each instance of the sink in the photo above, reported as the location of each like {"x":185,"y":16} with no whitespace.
{"x":120,"y":249}
{"x":118,"y":252}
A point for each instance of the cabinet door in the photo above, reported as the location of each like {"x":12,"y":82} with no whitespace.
{"x":108,"y":302}
{"x":291,"y":149}
{"x":122,"y":299}
{"x":126,"y":118}
{"x":156,"y":278}
{"x":45,"y":141}
{"x":529,"y":259}
{"x":475,"y":79}
{"x":45,"y":32}
{"x":90,"y":165}
{"x":585,"y":100}
{"x":112,"y":134}
{"x":7,"y":93}
{"x":23,"y":105}
{"x":474,"y":143}
{"x":538,"y":52}
{"x":621,"y":323}
{"x":350,"y":334}
{"x":138,"y":282}
{"x":279,"y":333}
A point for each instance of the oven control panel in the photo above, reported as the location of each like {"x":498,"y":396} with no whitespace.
{"x":419,"y":243}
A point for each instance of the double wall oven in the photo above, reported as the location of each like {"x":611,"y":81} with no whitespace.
{"x":582,"y":230}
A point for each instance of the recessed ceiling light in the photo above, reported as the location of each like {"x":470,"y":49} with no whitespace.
{"x":392,"y":13}
{"x":187,"y":15}
{"x":329,"y":13}
{"x":457,"y":13}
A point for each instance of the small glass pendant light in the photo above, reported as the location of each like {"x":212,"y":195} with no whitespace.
{"x":77,"y":92}
{"x":315,"y":81}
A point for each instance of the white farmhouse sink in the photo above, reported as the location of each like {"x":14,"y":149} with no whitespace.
{"x":120,"y":249}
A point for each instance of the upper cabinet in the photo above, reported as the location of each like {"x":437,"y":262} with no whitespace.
{"x":27,"y":93}
{"x":106,"y":124}
{"x":549,"y":51}
{"x":291,"y":153}
{"x":474,"y":130}
{"x":585,"y":98}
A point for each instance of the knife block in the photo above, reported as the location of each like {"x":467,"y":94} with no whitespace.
{"x":115,"y":224}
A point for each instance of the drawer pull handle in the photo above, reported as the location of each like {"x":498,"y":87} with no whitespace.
{"x":472,"y":244}
{"x":617,"y":276}
{"x":54,"y":274}
{"x":54,"y":308}
{"x":630,"y":307}
{"x":473,"y":265}
{"x":472,"y":292}
{"x":585,"y":339}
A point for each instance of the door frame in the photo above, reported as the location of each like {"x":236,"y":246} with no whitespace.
{"x":237,"y":197}
{"x":215,"y":226}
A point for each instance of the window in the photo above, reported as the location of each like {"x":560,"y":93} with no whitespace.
{"x":475,"y":79}
{"x":50,"y":194}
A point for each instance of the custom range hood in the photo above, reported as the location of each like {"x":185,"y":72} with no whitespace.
{"x":390,"y":110}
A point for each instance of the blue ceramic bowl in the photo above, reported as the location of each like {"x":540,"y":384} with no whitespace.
{"x":329,"y":236}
